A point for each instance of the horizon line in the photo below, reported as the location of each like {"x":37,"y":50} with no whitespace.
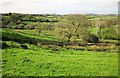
{"x":61,"y":14}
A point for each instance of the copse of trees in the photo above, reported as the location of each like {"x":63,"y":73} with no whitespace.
{"x":105,"y":27}
{"x":5,"y":21}
{"x":105,"y":21}
{"x":12,"y":20}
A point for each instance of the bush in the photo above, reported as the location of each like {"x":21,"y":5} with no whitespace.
{"x":91,"y":38}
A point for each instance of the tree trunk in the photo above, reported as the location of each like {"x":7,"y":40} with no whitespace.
{"x":69,"y":37}
{"x":68,"y":40}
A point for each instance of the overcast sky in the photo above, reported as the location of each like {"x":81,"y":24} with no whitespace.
{"x":59,"y":6}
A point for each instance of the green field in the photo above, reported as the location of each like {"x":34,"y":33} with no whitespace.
{"x":36,"y":61}
{"x":41,"y":62}
{"x":59,"y":45}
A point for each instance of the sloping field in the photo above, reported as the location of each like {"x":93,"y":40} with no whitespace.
{"x":36,"y":61}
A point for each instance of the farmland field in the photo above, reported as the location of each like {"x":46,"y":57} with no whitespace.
{"x":59,"y":45}
{"x":36,"y":61}
{"x":41,"y":62}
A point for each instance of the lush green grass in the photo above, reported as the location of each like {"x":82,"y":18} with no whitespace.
{"x":34,"y":34}
{"x":24,"y":34}
{"x":41,"y":62}
{"x":36,"y":61}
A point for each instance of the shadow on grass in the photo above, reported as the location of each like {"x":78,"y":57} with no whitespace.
{"x":42,"y":36}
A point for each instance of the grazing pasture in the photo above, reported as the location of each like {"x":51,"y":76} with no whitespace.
{"x":59,"y":45}
{"x":35,"y":61}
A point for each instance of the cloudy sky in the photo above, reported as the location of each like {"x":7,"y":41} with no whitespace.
{"x":59,"y":6}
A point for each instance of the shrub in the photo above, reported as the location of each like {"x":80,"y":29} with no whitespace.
{"x":24,"y":46}
{"x":91,"y":38}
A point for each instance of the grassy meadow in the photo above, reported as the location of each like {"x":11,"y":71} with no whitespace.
{"x":36,"y":48}
{"x":41,"y":62}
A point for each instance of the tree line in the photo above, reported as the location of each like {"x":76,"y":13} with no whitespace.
{"x":73,"y":26}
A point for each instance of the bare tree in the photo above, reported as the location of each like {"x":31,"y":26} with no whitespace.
{"x":73,"y":26}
